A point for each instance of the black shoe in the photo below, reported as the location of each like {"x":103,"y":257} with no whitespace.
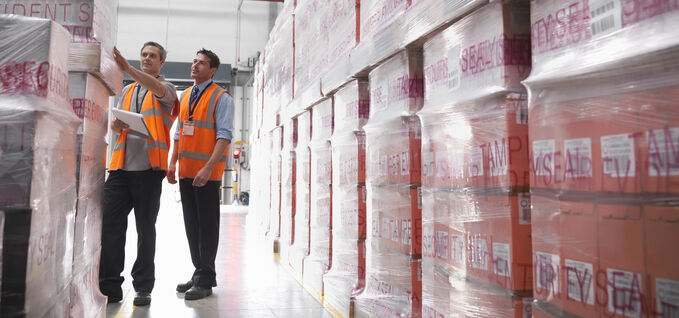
{"x":197,"y":292}
{"x":142,"y":299}
{"x":182,"y":288}
{"x":113,"y":299}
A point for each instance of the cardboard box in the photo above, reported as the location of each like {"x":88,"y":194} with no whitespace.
{"x":660,"y":227}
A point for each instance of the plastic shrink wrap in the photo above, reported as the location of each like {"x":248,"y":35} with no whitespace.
{"x":318,"y":261}
{"x":288,"y":187}
{"x":275,"y":145}
{"x":38,"y":167}
{"x":300,"y":248}
{"x":426,"y":16}
{"x":278,"y":64}
{"x":476,"y":215}
{"x":311,"y":46}
{"x":393,"y":217}
{"x":603,"y":119}
{"x":92,"y":25}
{"x":261,"y":183}
{"x":342,"y":24}
{"x":89,"y":98}
{"x":347,"y":274}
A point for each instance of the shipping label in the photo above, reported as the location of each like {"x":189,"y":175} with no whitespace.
{"x":663,"y":152}
{"x":543,"y":151}
{"x":667,"y":297}
{"x":501,"y":259}
{"x":442,"y":168}
{"x":524,"y":208}
{"x":479,"y":252}
{"x":457,"y":249}
{"x":547,"y":272}
{"x":406,"y":231}
{"x":428,"y":164}
{"x":476,"y":162}
{"x":580,"y":281}
{"x":617,"y":155}
{"x":624,"y":292}
{"x":442,"y":248}
{"x":578,"y":158}
{"x":457,"y":163}
{"x":454,"y":73}
{"x":605,"y":16}
{"x":428,"y":241}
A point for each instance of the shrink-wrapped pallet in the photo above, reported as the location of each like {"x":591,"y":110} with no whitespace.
{"x":300,"y":248}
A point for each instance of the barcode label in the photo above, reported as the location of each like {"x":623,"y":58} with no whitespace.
{"x":454,"y":72}
{"x":524,"y":208}
{"x":479,"y":253}
{"x":580,"y":278}
{"x":501,"y":259}
{"x":617,"y":154}
{"x":457,"y":248}
{"x":624,"y":292}
{"x":605,"y":16}
{"x":663,"y":152}
{"x":667,"y":297}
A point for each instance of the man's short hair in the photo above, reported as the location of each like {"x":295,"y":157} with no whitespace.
{"x":214,"y":59}
{"x":163,"y":53}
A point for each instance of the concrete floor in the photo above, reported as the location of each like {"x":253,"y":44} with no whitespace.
{"x":250,"y":282}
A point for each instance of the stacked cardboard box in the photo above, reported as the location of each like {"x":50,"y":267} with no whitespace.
{"x":394,"y":219}
{"x":275,"y":220}
{"x":318,"y":261}
{"x":288,"y":197}
{"x":300,"y":247}
{"x":476,"y":216}
{"x":39,"y":167}
{"x":347,"y":274}
{"x":92,"y":25}
{"x":343,"y":26}
{"x":311,"y":46}
{"x":602,"y":164}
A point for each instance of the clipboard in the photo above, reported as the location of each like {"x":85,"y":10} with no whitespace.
{"x":134,"y":120}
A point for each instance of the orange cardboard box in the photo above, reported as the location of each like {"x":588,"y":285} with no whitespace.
{"x":621,"y":280}
{"x":580,"y":253}
{"x":661,"y":227}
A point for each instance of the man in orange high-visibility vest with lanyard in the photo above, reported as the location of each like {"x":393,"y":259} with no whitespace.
{"x":204,"y":132}
{"x":136,"y":171}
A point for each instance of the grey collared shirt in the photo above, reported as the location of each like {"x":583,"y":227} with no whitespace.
{"x":223,"y":113}
{"x":136,"y":150}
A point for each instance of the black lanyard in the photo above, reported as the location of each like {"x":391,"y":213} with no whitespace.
{"x":192,"y":108}
{"x":136,"y":99}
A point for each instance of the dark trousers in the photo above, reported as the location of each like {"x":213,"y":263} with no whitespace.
{"x":123,"y":191}
{"x":201,"y":221}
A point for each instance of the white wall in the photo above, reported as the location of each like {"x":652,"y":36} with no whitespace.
{"x":185,"y":26}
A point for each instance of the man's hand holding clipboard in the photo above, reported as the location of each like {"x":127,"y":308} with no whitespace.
{"x":132,"y":120}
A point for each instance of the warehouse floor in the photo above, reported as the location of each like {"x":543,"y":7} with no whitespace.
{"x":250,"y":282}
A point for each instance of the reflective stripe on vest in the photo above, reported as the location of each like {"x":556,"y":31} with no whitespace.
{"x":159,"y":124}
{"x":194,"y":151}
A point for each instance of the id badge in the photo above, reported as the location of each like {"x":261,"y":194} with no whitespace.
{"x":188,"y":128}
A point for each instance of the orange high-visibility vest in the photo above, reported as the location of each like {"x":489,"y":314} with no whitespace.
{"x":195,"y":151}
{"x":159,"y":124}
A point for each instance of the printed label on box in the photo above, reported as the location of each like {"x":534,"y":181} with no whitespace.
{"x":580,"y":281}
{"x":428,"y":164}
{"x":479,"y":253}
{"x":393,"y":225}
{"x":454,"y":72}
{"x":419,"y":198}
{"x":383,"y":165}
{"x":548,"y":269}
{"x":442,"y":168}
{"x":543,"y":152}
{"x":578,"y":158}
{"x":476,"y":162}
{"x":428,"y":241}
{"x":442,"y":249}
{"x":663,"y":152}
{"x":457,"y":163}
{"x":501,"y":259}
{"x":457,"y":249}
{"x":524,"y":208}
{"x":407,"y":230}
{"x":605,"y":16}
{"x":405,"y":163}
{"x":625,"y":292}
{"x":385,"y":229}
{"x":498,"y":158}
{"x":617,"y":154}
{"x":667,"y":297}
{"x":375,"y":227}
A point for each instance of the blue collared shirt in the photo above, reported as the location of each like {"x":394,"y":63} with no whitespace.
{"x":223,"y":113}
